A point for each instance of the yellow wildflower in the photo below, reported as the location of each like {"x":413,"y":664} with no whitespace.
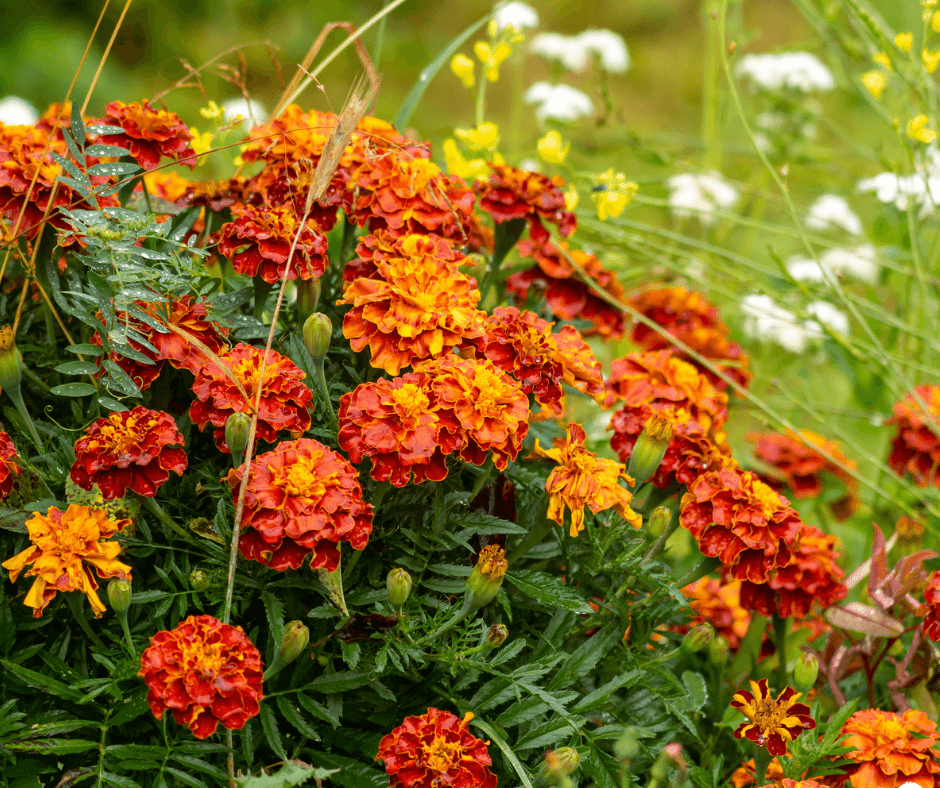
{"x":876,"y":82}
{"x":571,"y":198}
{"x":202,"y":143}
{"x":917,"y":129}
{"x":935,"y":22}
{"x":458,"y":165}
{"x":931,"y":60}
{"x":904,"y":41}
{"x":491,"y":57}
{"x":212,"y":112}
{"x":462,"y":66}
{"x":615,"y":194}
{"x":882,"y":60}
{"x":483,"y":137}
{"x":551,"y":149}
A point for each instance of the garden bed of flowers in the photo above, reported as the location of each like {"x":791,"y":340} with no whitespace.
{"x":330,"y":456}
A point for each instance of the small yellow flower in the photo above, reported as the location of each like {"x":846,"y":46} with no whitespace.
{"x":212,"y":112}
{"x":917,"y":129}
{"x":931,"y":60}
{"x":876,"y":82}
{"x":904,"y":41}
{"x":462,"y":66}
{"x":616,"y":194}
{"x":483,"y":137}
{"x":551,"y":149}
{"x":492,"y":28}
{"x":882,"y":60}
{"x":202,"y":143}
{"x":491,"y":57}
{"x":935,"y":22}
{"x":571,"y":198}
{"x":457,"y":164}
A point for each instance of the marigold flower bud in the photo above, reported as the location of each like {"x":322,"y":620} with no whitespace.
{"x":119,"y":594}
{"x":496,"y":635}
{"x":487,"y":576}
{"x":199,"y":580}
{"x":236,"y":432}
{"x":559,"y":765}
{"x":398,"y":584}
{"x":718,"y":648}
{"x":697,"y":638}
{"x":295,"y":640}
{"x":650,"y":448}
{"x":308,"y":296}
{"x":658,"y":520}
{"x":11,"y":371}
{"x":318,"y":330}
{"x":627,"y":746}
{"x":806,"y":671}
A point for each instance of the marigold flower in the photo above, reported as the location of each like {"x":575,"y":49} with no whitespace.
{"x":568,"y":297}
{"x":8,"y":467}
{"x":932,"y":615}
{"x":409,"y":302}
{"x":166,"y":185}
{"x":132,"y":449}
{"x":740,"y":520}
{"x":891,"y":749}
{"x":584,"y":479}
{"x":204,"y":672}
{"x":916,"y":445}
{"x":772,"y":722}
{"x":284,"y":398}
{"x":746,"y":773}
{"x":149,"y":134}
{"x":719,"y":604}
{"x":258,"y":242}
{"x":302,"y":499}
{"x":217,"y":195}
{"x":436,"y":749}
{"x":65,"y":547}
{"x":510,"y":193}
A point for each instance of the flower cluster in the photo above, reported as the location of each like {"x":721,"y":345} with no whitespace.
{"x":149,"y":134}
{"x":205,"y":673}
{"x":772,"y":722}
{"x":915,"y":448}
{"x":891,"y":749}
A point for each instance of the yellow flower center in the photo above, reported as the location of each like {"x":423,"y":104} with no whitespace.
{"x":440,"y":755}
{"x":411,"y":403}
{"x":205,"y":659}
{"x":768,"y":716}
{"x":118,"y":436}
{"x":301,"y":480}
{"x":766,"y":498}
{"x":248,"y":372}
{"x":492,"y":562}
{"x":489,"y":391}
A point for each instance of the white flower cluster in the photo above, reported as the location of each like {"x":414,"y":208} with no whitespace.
{"x":251,"y":110}
{"x":516,"y":14}
{"x":558,"y":102}
{"x":700,"y":196}
{"x":920,"y":189}
{"x":831,"y":210}
{"x":575,"y":52}
{"x":766,"y":320}
{"x":15,"y":111}
{"x":796,"y":70}
{"x":858,"y":263}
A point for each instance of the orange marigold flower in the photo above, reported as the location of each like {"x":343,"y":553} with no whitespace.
{"x":302,"y":499}
{"x":288,"y":182}
{"x":772,"y":722}
{"x":738,"y":519}
{"x":149,"y":134}
{"x":659,"y":378}
{"x":396,"y":424}
{"x":258,"y":242}
{"x":132,"y":449}
{"x":719,"y":604}
{"x":204,"y":672}
{"x":510,"y":193}
{"x":568,"y":296}
{"x":932,"y":616}
{"x":746,"y":773}
{"x":584,"y":479}
{"x":434,"y":750}
{"x":8,"y":467}
{"x":689,"y":317}
{"x":166,"y":185}
{"x":891,"y":749}
{"x":284,"y":397}
{"x":65,"y":547}
{"x":413,"y":305}
{"x":916,"y":446}
{"x":690,"y":452}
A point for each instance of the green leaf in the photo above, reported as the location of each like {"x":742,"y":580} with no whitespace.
{"x":318,"y":710}
{"x":86,"y":348}
{"x":77,"y":125}
{"x":602,"y":694}
{"x":201,"y":766}
{"x":131,"y":710}
{"x":274,"y":608}
{"x":269,"y":726}
{"x":330,"y":683}
{"x":50,"y":746}
{"x":583,"y":659}
{"x":99,"y":151}
{"x":509,"y":755}
{"x":74,"y":389}
{"x":44,"y":683}
{"x":97,"y":129}
{"x":107,"y":169}
{"x":145,"y":752}
{"x":547,"y":590}
{"x":118,"y":780}
{"x":289,"y":775}
{"x":77,"y":368}
{"x":695,"y":686}
{"x":292,"y":715}
{"x":186,"y":778}
{"x":487,"y":525}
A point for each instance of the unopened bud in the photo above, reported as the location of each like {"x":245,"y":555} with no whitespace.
{"x":806,"y":671}
{"x":718,"y":649}
{"x":487,"y":576}
{"x":308,"y":296}
{"x":627,"y":746}
{"x":496,"y":635}
{"x":11,"y":369}
{"x":670,"y":756}
{"x":658,"y":520}
{"x":560,"y":764}
{"x":296,"y":638}
{"x":697,"y":638}
{"x":398,"y":584}
{"x":650,"y":448}
{"x":199,"y":580}
{"x":318,"y":330}
{"x":236,"y":433}
{"x":119,"y":594}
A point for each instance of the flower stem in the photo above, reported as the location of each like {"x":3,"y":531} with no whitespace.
{"x":325,"y":392}
{"x":74,"y":600}
{"x":157,"y":511}
{"x":17,"y":397}
{"x":663,"y":537}
{"x":780,"y":641}
{"x":465,"y":610}
{"x":128,"y":640}
{"x":536,"y":534}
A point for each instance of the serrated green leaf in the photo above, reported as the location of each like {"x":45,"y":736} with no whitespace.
{"x":74,"y":389}
{"x":318,"y":710}
{"x":44,"y":683}
{"x":145,"y":752}
{"x":600,"y":696}
{"x":547,"y":590}
{"x":583,"y":659}
{"x":293,"y":716}
{"x":289,"y":775}
{"x":185,"y":778}
{"x":269,"y":727}
{"x":202,"y":766}
{"x":696,"y":688}
{"x":49,"y":746}
{"x":118,"y":780}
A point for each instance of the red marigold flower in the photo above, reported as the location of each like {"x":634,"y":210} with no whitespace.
{"x":785,"y":783}
{"x":65,"y":547}
{"x":396,"y":424}
{"x":932,"y":615}
{"x":584,"y":479}
{"x":413,"y":305}
{"x":569,"y":297}
{"x":916,"y":446}
{"x":772,"y":722}
{"x":738,"y":519}
{"x":434,"y":750}
{"x":719,"y":604}
{"x":133,"y":449}
{"x":288,"y":182}
{"x":892,"y":749}
{"x":302,"y":499}
{"x":205,"y":673}
{"x":259,"y":240}
{"x":284,"y":398}
{"x":689,"y":317}
{"x":510,"y":193}
{"x":149,"y":134}
{"x":217,"y":195}
{"x":8,"y":467}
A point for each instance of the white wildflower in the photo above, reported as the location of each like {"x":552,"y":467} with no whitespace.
{"x":571,"y":52}
{"x":558,"y":102}
{"x":831,"y":210}
{"x":530,"y":165}
{"x":15,"y":111}
{"x":825,"y":314}
{"x":860,"y":262}
{"x":920,"y":189}
{"x":797,"y":70}
{"x":516,"y":14}
{"x":700,"y":196}
{"x":766,"y":320}
{"x":609,"y":47}
{"x":251,"y":110}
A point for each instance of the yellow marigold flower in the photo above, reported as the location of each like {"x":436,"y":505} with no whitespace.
{"x":615,"y":195}
{"x":483,"y":137}
{"x":462,"y":66}
{"x":882,"y":60}
{"x":772,"y":721}
{"x":571,"y":198}
{"x":491,"y":57}
{"x":584,"y":479}
{"x":65,"y":546}
{"x":904,"y":41}
{"x":201,"y":143}
{"x":931,"y":60}
{"x":212,"y":112}
{"x":917,"y":129}
{"x":551,"y":149}
{"x":876,"y":82}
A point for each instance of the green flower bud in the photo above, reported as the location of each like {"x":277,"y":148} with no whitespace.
{"x":650,"y":448}
{"x":718,"y":649}
{"x":496,"y":635}
{"x":119,"y":594}
{"x":658,"y":520}
{"x":200,"y":580}
{"x":236,"y":433}
{"x":398,"y":584}
{"x":318,"y":330}
{"x":308,"y":296}
{"x":627,"y":746}
{"x":296,"y":638}
{"x":559,"y":765}
{"x":487,"y":576}
{"x":11,"y":363}
{"x":697,"y":638}
{"x":806,"y":671}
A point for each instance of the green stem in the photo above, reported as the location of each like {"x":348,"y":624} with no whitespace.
{"x":379,"y":39}
{"x":535,"y":536}
{"x":669,"y":530}
{"x":704,"y":567}
{"x":157,"y":511}
{"x":75,"y":599}
{"x":128,"y":640}
{"x":780,"y":641}
{"x":761,"y":762}
{"x":465,"y":610}
{"x":325,"y":392}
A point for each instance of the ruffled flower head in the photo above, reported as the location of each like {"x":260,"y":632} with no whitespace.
{"x":284,"y":397}
{"x":149,"y":134}
{"x":9,"y":470}
{"x":205,"y":673}
{"x":65,"y":547}
{"x":891,"y":749}
{"x":584,"y":479}
{"x":434,"y":750}
{"x":302,"y":499}
{"x":129,"y":450}
{"x":916,"y":445}
{"x":771,"y":722}
{"x":719,"y":604}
